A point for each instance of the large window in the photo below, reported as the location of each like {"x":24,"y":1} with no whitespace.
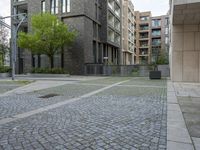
{"x":156,"y":42}
{"x":144,"y":18}
{"x":156,"y":23}
{"x":65,"y":6}
{"x":111,"y":35}
{"x":156,"y":32}
{"x":43,"y":6}
{"x":54,"y":6}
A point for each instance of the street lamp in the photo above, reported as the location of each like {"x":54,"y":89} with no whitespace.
{"x":14,"y":31}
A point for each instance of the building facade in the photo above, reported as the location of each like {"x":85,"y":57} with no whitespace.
{"x":128,"y":31}
{"x":185,"y":40}
{"x":143,"y":37}
{"x":110,"y":32}
{"x":159,"y":38}
{"x":152,"y":37}
{"x":98,"y":23}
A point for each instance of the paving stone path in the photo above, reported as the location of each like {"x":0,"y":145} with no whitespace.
{"x":103,"y":114}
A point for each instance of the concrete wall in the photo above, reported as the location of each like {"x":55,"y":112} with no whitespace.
{"x":185,"y":41}
{"x":186,"y":53}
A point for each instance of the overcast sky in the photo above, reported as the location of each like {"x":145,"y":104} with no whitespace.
{"x":158,"y":7}
{"x":5,"y":9}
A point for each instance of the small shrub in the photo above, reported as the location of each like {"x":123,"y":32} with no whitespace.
{"x":5,"y":69}
{"x":49,"y":70}
{"x":135,"y":72}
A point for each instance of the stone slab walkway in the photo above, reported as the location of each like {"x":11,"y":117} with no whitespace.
{"x":178,"y":137}
{"x":188,"y":96}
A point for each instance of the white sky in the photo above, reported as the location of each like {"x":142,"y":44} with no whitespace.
{"x":158,"y":7}
{"x":5,"y":9}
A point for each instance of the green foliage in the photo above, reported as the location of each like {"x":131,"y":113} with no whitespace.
{"x":4,"y":43}
{"x":162,"y":59}
{"x":135,"y":72}
{"x":5,"y":69}
{"x":49,"y":70}
{"x":48,"y":36}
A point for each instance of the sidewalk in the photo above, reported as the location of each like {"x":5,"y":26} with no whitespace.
{"x":183,"y":116}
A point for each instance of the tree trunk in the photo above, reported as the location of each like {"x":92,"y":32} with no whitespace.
{"x":62,"y":58}
{"x":39,"y":61}
{"x":51,"y":58}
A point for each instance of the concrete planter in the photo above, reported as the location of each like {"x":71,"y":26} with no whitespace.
{"x":4,"y":75}
{"x":48,"y":75}
{"x":155,"y":75}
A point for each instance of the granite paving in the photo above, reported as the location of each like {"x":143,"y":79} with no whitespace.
{"x":117,"y":118}
{"x":16,"y":104}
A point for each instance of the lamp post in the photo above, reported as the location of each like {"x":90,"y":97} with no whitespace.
{"x":14,"y":31}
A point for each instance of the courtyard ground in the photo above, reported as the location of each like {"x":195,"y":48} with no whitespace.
{"x":103,"y":113}
{"x":83,"y":112}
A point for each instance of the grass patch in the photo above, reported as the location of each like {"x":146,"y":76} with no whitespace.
{"x":20,"y":82}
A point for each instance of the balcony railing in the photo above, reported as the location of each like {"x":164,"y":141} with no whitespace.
{"x":156,"y":43}
{"x":144,"y":45}
{"x":144,"y":28}
{"x":144,"y":37}
{"x":156,"y":34}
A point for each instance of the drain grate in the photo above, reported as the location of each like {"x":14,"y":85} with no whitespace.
{"x":49,"y":95}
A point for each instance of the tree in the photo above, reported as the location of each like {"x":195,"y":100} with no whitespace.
{"x":4,"y":44}
{"x":162,"y":58}
{"x":48,"y":36}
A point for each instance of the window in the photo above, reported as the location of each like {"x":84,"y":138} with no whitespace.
{"x":156,"y":42}
{"x":68,"y":6}
{"x":43,"y":6}
{"x":111,"y":19}
{"x":95,"y":51}
{"x":166,"y":21}
{"x":166,"y":40}
{"x":166,"y":30}
{"x":117,"y":38}
{"x":54,"y":6}
{"x":156,"y":23}
{"x":117,"y":10}
{"x":65,"y":6}
{"x":111,"y":35}
{"x":144,"y":18}
{"x":94,"y":30}
{"x":117,"y":24}
{"x":156,"y":32}
{"x":96,"y":11}
{"x":111,"y":4}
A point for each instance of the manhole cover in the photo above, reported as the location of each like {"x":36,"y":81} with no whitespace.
{"x":48,"y":96}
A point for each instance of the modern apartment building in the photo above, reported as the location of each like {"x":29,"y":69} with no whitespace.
{"x":143,"y":38}
{"x":152,"y":37}
{"x":128,"y":30}
{"x":185,"y":40}
{"x":111,"y":17}
{"x":159,"y":37}
{"x":98,"y":23}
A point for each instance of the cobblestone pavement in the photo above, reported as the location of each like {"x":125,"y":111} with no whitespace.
{"x":16,"y":104}
{"x":118,"y":118}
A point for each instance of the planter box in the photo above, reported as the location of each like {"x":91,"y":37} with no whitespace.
{"x":155,"y":75}
{"x":4,"y":75}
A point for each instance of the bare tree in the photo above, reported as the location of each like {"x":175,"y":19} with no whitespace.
{"x":4,"y":43}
